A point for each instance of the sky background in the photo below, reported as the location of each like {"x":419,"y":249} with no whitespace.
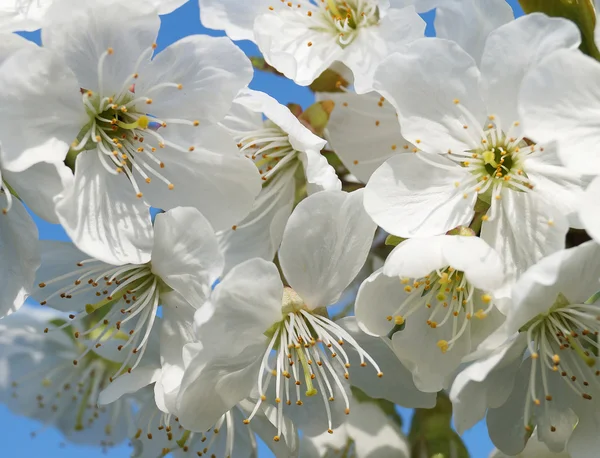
{"x":16,"y":431}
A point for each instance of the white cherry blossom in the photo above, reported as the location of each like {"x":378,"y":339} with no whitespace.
{"x":434,"y":300}
{"x":302,"y":39}
{"x":40,"y":380}
{"x":543,"y":374}
{"x":259,"y":330}
{"x":139,"y":130}
{"x":179,"y":270}
{"x":471,"y":148}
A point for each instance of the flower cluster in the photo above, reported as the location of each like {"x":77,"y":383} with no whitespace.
{"x":425,"y":232}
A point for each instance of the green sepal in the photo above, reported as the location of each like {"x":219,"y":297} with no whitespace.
{"x":329,"y":81}
{"x":393,"y":240}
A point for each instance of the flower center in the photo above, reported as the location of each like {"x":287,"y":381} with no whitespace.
{"x":450,"y":297}
{"x":563,"y":341}
{"x":269,"y":148}
{"x":125,"y":136}
{"x":345,"y":17}
{"x":134,"y":287}
{"x":60,"y":391}
{"x":311,"y":347}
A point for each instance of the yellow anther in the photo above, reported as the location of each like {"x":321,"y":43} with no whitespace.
{"x":443,"y":345}
{"x":399,"y":320}
{"x":486,"y":298}
{"x":408,"y":288}
{"x":444,"y":280}
{"x":480,"y":314}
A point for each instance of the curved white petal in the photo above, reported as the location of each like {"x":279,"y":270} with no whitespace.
{"x":186,"y":254}
{"x":397,"y":384}
{"x":283,"y":39}
{"x":409,"y":197}
{"x":469,"y":22}
{"x":526,"y":228}
{"x":82,"y":32}
{"x":363,"y":131}
{"x":560,"y":99}
{"x":214,"y":177}
{"x":242,"y":307}
{"x":563,"y":186}
{"x":379,"y":296}
{"x":536,"y":36}
{"x":17,"y":15}
{"x":259,"y":235}
{"x":415,"y":258}
{"x":20,"y":257}
{"x":102,"y":215}
{"x":572,"y":272}
{"x":325,"y":244}
{"x":320,"y":176}
{"x":211,"y":71}
{"x":11,"y":42}
{"x":212,"y":386}
{"x":372,"y":44}
{"x":39,"y":186}
{"x":485,"y":383}
{"x":425,"y":91}
{"x":40,"y":93}
{"x":589,"y":211}
{"x":234,"y":17}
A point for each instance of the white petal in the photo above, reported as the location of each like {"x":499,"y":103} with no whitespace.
{"x":563,"y":186}
{"x":211,"y":387}
{"x":585,"y":440}
{"x":211,"y":71}
{"x":502,"y":70}
{"x":409,"y":197}
{"x":363,"y":131}
{"x":572,"y":272}
{"x":320,"y":176}
{"x":11,"y":42}
{"x":469,"y":22}
{"x":485,"y":383}
{"x":102,"y":215}
{"x":167,"y":6}
{"x":301,"y":138}
{"x":372,"y":44}
{"x":396,"y":385}
{"x":560,"y":99}
{"x":39,"y":185}
{"x":235,"y":18}
{"x":283,"y":39}
{"x":259,"y":235}
{"x":379,"y":296}
{"x":325,"y":244}
{"x":82,"y":32}
{"x":424,"y":92}
{"x":128,"y":383}
{"x":525,"y":229}
{"x":20,"y":257}
{"x":243,"y":306}
{"x":214,"y":177}
{"x":186,"y":253}
{"x":589,"y":211}
{"x":26,"y":16}
{"x":40,"y":92}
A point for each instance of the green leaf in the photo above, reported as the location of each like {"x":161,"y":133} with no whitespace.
{"x":581,"y":12}
{"x":431,"y":433}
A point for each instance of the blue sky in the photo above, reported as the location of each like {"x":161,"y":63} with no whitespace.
{"x":16,"y":431}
